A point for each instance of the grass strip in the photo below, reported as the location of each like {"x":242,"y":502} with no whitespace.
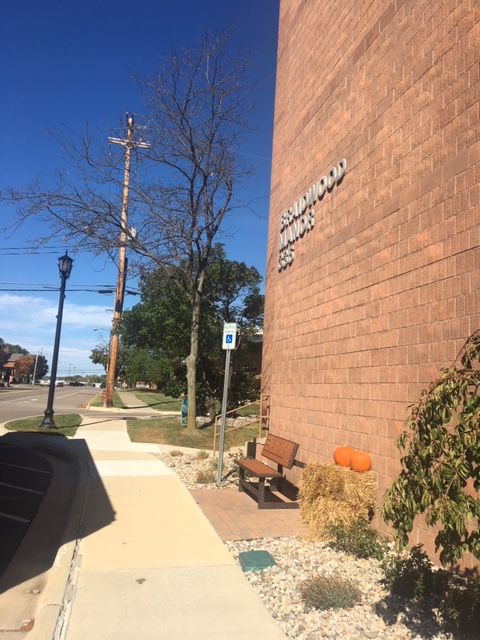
{"x":157,"y":400}
{"x":169,"y":431}
{"x":98,"y":402}
{"x":66,"y":425}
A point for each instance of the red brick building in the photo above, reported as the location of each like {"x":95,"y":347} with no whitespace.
{"x":373,"y":264}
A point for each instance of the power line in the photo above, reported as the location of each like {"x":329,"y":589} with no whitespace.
{"x":30,"y":253}
{"x":105,"y":289}
{"x":30,"y":248}
{"x":47,"y":284}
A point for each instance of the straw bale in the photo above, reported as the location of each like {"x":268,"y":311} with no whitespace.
{"x":331,"y":494}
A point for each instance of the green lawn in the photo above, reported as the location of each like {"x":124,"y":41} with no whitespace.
{"x":169,"y":431}
{"x":248,"y":411}
{"x":67,"y":425}
{"x":160,"y":402}
{"x":97,"y":401}
{"x":157,"y":400}
{"x":156,"y":431}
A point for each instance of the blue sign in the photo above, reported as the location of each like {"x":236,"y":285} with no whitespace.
{"x":229,"y":335}
{"x":184,"y":412}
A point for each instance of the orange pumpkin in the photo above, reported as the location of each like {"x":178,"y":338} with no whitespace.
{"x":343,"y":456}
{"x":360,"y":461}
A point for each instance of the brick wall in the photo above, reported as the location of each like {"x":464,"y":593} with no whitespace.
{"x":383,"y":290}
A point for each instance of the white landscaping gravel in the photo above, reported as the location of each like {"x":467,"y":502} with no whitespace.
{"x":379,"y":616}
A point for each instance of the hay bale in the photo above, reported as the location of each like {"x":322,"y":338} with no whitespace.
{"x":330,"y":494}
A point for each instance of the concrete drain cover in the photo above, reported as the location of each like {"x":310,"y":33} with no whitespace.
{"x":255,"y":560}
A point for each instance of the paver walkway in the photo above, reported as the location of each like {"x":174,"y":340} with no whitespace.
{"x":235,"y":516}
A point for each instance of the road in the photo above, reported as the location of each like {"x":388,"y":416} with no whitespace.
{"x":26,"y":401}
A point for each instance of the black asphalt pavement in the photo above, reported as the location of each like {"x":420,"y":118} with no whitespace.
{"x":24,"y":480}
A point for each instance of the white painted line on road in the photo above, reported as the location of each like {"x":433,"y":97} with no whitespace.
{"x":10,"y":517}
{"x":19,"y":466}
{"x":13,"y":486}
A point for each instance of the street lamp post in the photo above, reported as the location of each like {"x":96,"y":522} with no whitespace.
{"x":65,"y":268}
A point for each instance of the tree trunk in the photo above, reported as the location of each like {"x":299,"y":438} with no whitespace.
{"x":191,"y":362}
{"x":212,"y":409}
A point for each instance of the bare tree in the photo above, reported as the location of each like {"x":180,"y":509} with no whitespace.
{"x":180,"y":191}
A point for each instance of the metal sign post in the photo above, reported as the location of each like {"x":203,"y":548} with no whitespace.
{"x":228,"y":345}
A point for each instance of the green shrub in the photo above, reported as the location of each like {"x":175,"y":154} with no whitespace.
{"x":440,"y":461}
{"x":202,"y":455}
{"x":412,"y":575}
{"x":329,"y":592}
{"x":357,"y":540}
{"x":175,"y":453}
{"x":461,"y":606}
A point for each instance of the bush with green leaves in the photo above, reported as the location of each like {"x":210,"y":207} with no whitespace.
{"x":329,"y":592}
{"x":357,"y":539}
{"x":440,"y":474}
{"x":461,"y":606}
{"x":413,"y":576}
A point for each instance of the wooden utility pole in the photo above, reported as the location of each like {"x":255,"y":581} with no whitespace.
{"x":129,"y":144}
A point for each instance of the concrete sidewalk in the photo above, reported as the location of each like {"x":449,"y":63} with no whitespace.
{"x":144,"y":562}
{"x":132,"y":405}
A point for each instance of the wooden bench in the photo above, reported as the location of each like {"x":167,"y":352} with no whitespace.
{"x":278,"y":450}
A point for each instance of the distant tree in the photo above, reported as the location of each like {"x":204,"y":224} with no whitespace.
{"x":16,"y":348}
{"x":197,"y":105}
{"x":135,"y":365}
{"x":41,"y":368}
{"x":24,"y":368}
{"x":146,"y":365}
{"x":99,"y":355}
{"x":162,"y":322}
{"x":4,"y":353}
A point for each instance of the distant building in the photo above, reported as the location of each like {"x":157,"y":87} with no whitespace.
{"x":9,"y":367}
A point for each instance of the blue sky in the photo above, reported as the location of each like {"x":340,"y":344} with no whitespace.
{"x":66,"y":62}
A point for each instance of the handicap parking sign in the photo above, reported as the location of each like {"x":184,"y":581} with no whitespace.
{"x":229,"y":335}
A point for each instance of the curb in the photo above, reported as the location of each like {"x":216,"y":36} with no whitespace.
{"x":52,"y":613}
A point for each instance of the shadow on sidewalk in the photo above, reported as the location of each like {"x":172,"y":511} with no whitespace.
{"x":44,"y":483}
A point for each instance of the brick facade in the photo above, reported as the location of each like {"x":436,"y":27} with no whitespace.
{"x":385,"y":287}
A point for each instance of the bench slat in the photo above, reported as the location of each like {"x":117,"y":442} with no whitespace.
{"x":258,"y":469}
{"x":279,"y":450}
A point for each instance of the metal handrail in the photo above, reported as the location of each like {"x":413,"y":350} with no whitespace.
{"x":263,"y":418}
{"x":241,"y":426}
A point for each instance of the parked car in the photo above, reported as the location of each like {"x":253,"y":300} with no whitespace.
{"x":59,"y":384}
